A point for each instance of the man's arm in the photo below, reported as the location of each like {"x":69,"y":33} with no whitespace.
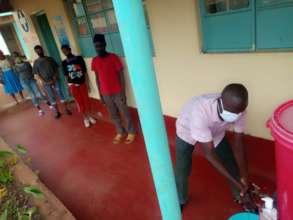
{"x":84,"y":70}
{"x":210,"y":155}
{"x":36,"y":72}
{"x":240,"y":156}
{"x":98,"y":84}
{"x":122,"y":81}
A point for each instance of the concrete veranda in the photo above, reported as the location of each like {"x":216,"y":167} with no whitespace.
{"x":100,"y":181}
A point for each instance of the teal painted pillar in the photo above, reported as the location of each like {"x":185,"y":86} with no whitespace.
{"x":21,"y":40}
{"x":137,"y":48}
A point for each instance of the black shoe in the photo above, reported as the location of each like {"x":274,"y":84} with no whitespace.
{"x":58,"y":115}
{"x":182,"y":207}
{"x":68,"y":112}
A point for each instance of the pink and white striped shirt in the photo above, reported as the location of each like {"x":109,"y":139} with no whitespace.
{"x":199,"y":121}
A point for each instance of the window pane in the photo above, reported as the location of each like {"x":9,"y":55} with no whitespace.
{"x":93,"y":6}
{"x":82,"y":25}
{"x":239,"y":4}
{"x":216,"y":6}
{"x":78,"y":9}
{"x":113,"y":27}
{"x":99,"y":23}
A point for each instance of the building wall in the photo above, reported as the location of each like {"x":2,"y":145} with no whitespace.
{"x":51,"y":8}
{"x":183,"y":71}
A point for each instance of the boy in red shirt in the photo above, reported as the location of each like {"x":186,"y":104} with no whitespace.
{"x":111,"y":84}
{"x":76,"y":73}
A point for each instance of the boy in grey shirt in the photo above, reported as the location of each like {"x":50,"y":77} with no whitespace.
{"x":25,"y":72}
{"x":47,"y":69}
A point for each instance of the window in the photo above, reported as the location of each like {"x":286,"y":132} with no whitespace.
{"x":92,"y":17}
{"x":246,"y":25}
{"x":216,"y":6}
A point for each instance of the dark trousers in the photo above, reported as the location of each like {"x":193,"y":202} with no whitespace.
{"x":184,"y":163}
{"x":116,"y":105}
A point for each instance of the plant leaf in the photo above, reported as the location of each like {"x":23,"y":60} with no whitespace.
{"x":21,"y":149}
{"x":4,"y":215}
{"x":5,"y":154}
{"x":2,"y":163}
{"x":6,"y":176}
{"x":33,"y":191}
{"x":25,"y":217}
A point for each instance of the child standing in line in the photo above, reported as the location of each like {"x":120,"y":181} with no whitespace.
{"x":111,"y":84}
{"x":26,"y":76}
{"x":8,"y":78}
{"x":47,"y":70}
{"x":76,"y":73}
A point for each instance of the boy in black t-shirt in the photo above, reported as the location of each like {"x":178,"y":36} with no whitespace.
{"x":75,"y":71}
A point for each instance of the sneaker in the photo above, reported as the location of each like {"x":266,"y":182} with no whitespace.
{"x":92,"y":120}
{"x":58,"y":115}
{"x":41,"y":112}
{"x":68,"y":112}
{"x":86,"y":123}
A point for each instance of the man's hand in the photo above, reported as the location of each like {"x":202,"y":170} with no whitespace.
{"x":123,"y":97}
{"x":211,"y":156}
{"x":244,"y":181}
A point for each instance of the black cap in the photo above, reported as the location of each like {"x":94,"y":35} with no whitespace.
{"x":99,"y":38}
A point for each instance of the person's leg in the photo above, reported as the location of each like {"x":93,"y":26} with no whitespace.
{"x":58,"y":87}
{"x":121,"y":104}
{"x":183,"y":168}
{"x":28,"y":86}
{"x":76,"y":92}
{"x":52,"y":97}
{"x":116,"y":118}
{"x":37,"y":91}
{"x":37,"y":96}
{"x":21,"y":95}
{"x":14,"y":97}
{"x":226,"y":155}
{"x":86,"y":105}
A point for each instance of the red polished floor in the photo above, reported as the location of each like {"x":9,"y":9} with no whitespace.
{"x":100,"y":181}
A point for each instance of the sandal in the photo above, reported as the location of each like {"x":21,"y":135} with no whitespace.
{"x":118,"y":138}
{"x":130,"y":138}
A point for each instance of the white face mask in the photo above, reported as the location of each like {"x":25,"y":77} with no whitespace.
{"x":228,"y":116}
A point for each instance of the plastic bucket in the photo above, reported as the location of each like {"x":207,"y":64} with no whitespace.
{"x":244,"y":216}
{"x":281,"y":125}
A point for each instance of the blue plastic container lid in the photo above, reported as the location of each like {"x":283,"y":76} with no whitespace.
{"x":244,"y":216}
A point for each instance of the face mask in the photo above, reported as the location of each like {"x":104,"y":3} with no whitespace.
{"x":102,"y":53}
{"x":228,"y":116}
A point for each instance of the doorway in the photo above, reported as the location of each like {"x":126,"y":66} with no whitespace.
{"x":47,"y":40}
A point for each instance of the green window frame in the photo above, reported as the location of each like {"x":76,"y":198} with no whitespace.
{"x":96,"y":16}
{"x":246,"y":25}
